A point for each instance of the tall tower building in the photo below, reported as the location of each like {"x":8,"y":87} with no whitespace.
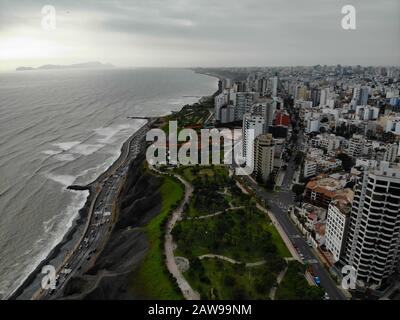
{"x":263,"y":156}
{"x":323,"y":101}
{"x":275,"y":86}
{"x":373,"y":242}
{"x":244,"y":100}
{"x":363,"y":98}
{"x":315,"y":96}
{"x":220,"y":101}
{"x":266,"y":110}
{"x":251,"y":122}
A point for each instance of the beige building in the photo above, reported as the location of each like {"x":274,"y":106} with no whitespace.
{"x":263,"y":156}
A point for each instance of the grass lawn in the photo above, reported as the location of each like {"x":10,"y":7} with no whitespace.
{"x":283,"y":251}
{"x":153,"y":278}
{"x":209,"y":174}
{"x":216,"y":279}
{"x":244,"y":234}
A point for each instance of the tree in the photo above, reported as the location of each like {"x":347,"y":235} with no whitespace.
{"x":347,"y":161}
{"x":298,"y":189}
{"x":229,"y":281}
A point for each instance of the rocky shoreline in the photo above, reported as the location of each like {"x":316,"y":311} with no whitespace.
{"x":32,"y":283}
{"x":56,"y":256}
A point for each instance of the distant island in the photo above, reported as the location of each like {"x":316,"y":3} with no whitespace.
{"x":86,"y":65}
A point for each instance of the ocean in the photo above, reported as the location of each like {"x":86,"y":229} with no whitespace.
{"x":64,"y":127}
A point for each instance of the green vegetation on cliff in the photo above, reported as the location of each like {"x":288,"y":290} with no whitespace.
{"x":153,"y":278}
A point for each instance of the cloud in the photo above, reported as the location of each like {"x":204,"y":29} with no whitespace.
{"x":211,"y":33}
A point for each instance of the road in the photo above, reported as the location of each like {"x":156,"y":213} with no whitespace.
{"x":278,"y":203}
{"x":100,"y":220}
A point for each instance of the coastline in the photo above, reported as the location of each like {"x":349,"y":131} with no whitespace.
{"x":31,"y":284}
{"x":78,"y":223}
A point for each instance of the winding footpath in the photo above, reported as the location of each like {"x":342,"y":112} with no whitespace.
{"x":188,"y":292}
{"x":214,"y":214}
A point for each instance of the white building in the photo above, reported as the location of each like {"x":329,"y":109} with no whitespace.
{"x":310,"y":168}
{"x":324,"y":97}
{"x":336,"y":225}
{"x":253,"y":126}
{"x":243,"y":103}
{"x":312,"y":125}
{"x":356,"y":146}
{"x":227,"y":114}
{"x":367,"y":113}
{"x":329,"y":142}
{"x":220,"y":101}
{"x":393,"y":125}
{"x":266,"y":110}
{"x":316,"y":162}
{"x":275,"y":86}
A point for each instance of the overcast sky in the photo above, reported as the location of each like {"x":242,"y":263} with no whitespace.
{"x":188,"y":33}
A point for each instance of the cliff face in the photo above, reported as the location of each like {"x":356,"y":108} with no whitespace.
{"x":138,"y":203}
{"x":140,"y":200}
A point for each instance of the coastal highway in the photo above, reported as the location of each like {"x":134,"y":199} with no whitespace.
{"x":100,"y":218}
{"x":278,"y":203}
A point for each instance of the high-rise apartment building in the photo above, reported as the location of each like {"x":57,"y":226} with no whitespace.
{"x":336,"y":226}
{"x":263,"y":157}
{"x":244,"y":101}
{"x":373,"y":242}
{"x":255,"y":123}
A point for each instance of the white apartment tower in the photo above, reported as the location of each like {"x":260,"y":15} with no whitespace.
{"x":373,"y":242}
{"x":251,"y":122}
{"x":336,"y":225}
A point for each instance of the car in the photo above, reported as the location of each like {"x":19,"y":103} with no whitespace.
{"x":88,"y":257}
{"x":317,"y":281}
{"x":326,"y":296}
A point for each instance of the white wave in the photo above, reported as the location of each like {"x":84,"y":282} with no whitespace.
{"x":51,"y":152}
{"x":65,"y":180}
{"x":45,"y":244}
{"x":48,"y":225}
{"x":86,"y":149}
{"x":109,"y":132}
{"x":65,"y":157}
{"x":65,"y":146}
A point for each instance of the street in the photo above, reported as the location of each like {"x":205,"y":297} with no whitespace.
{"x":278,"y":203}
{"x":100,"y":222}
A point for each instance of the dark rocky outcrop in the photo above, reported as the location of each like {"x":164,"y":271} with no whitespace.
{"x":139,"y":201}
